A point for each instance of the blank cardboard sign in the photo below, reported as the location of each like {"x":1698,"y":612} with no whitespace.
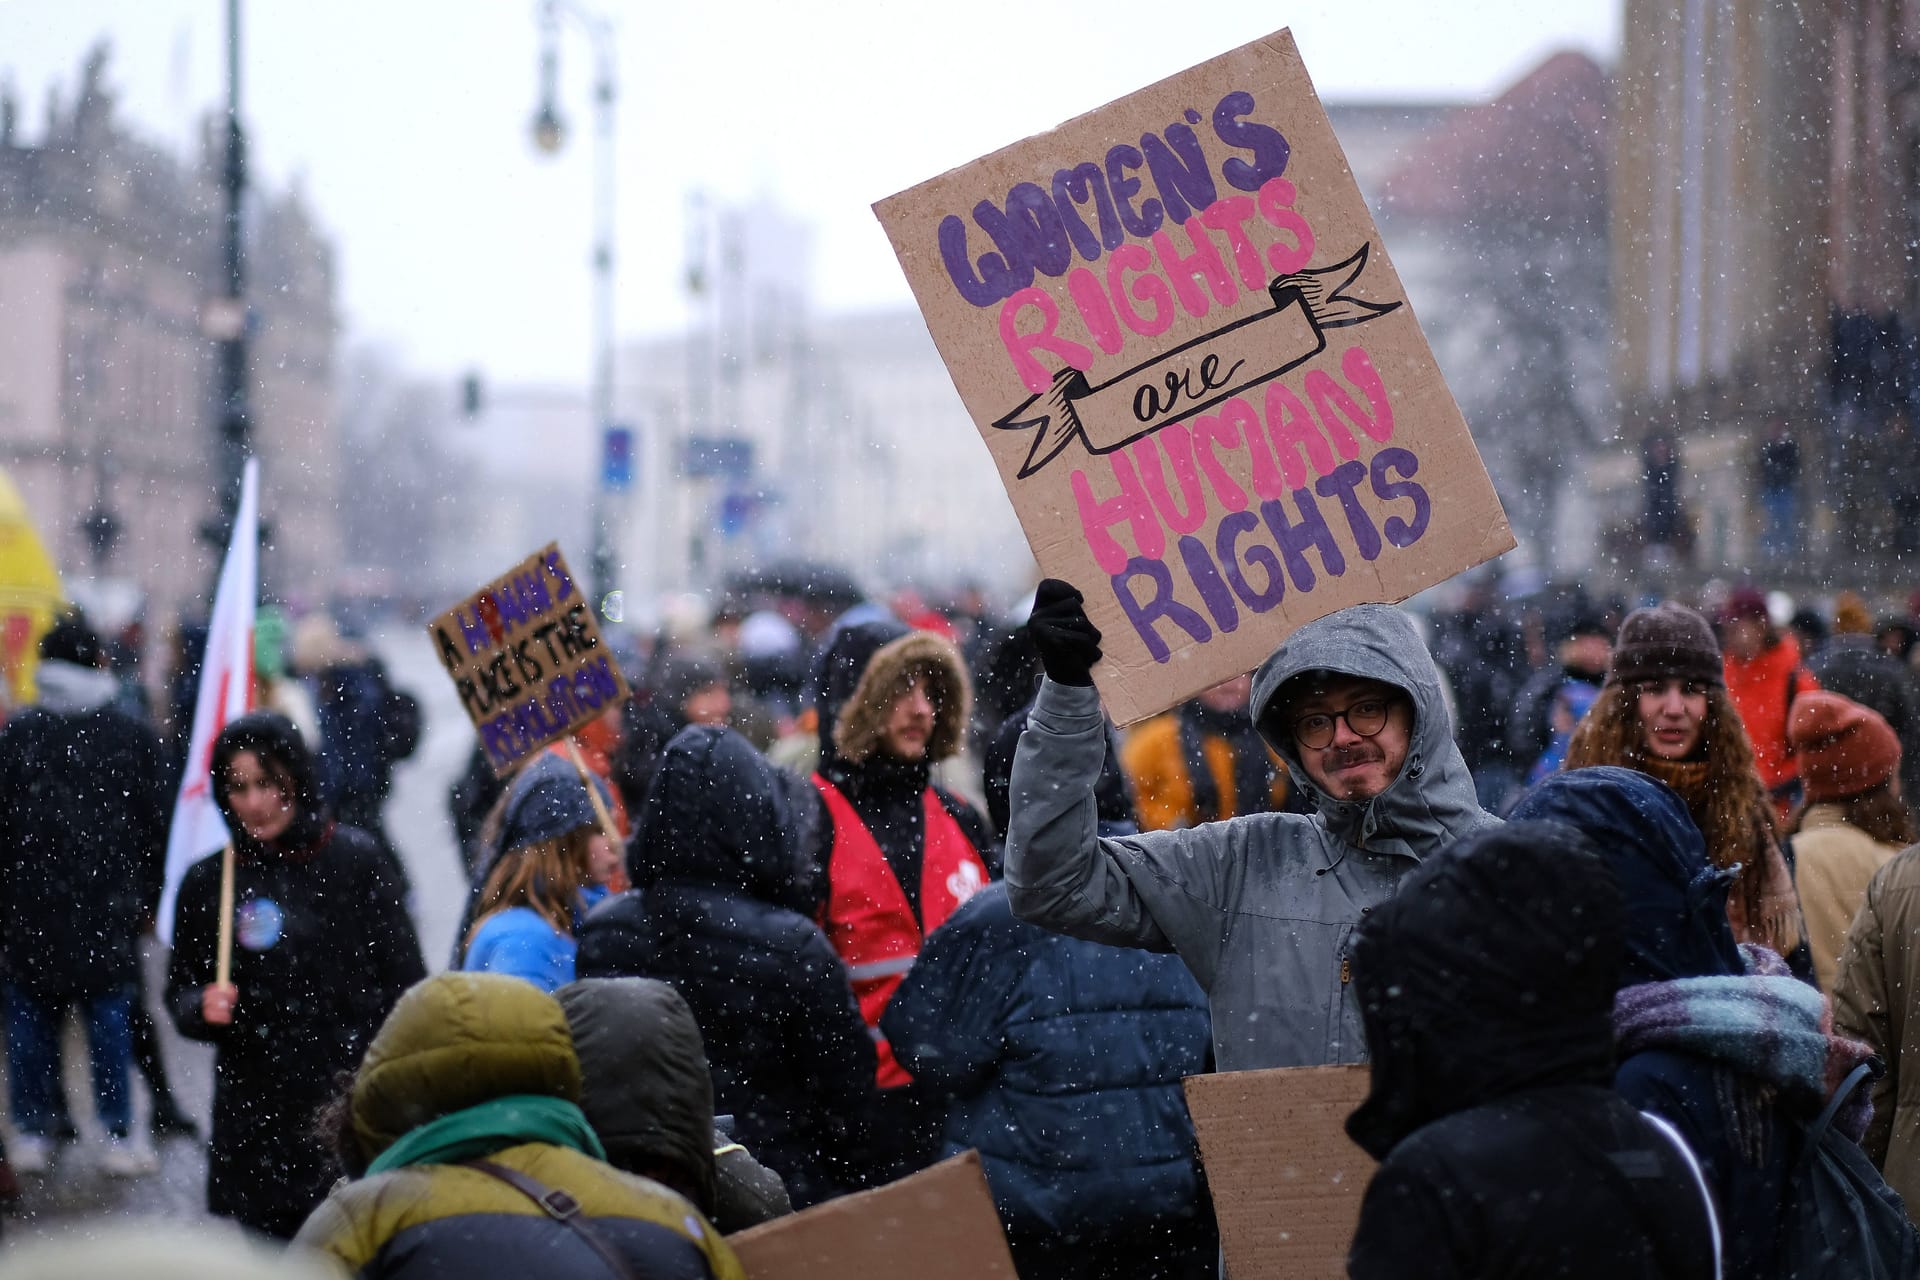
{"x":1174,"y":324}
{"x":1285,"y":1177}
{"x":938,"y":1224}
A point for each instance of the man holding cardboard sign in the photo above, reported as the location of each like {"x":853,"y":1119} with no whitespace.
{"x":1262,"y":907}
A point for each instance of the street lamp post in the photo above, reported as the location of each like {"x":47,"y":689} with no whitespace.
{"x":228,"y":319}
{"x":549,"y":136}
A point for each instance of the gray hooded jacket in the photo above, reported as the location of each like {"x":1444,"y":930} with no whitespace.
{"x":1260,"y":907}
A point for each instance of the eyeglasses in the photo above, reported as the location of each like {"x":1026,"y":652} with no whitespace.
{"x":1366,"y":718}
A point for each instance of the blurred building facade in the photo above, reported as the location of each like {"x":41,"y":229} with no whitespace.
{"x":110,"y":249}
{"x":768,"y":432}
{"x":1767,"y":196}
{"x":1497,"y":217}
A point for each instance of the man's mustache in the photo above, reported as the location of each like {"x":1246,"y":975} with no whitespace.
{"x":1349,"y":756}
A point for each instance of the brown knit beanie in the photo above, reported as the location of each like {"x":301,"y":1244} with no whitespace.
{"x":1842,"y":747}
{"x":1665,"y":642}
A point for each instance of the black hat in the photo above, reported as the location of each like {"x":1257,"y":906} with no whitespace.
{"x":1664,"y":642}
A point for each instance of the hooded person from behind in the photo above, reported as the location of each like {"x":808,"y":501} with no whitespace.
{"x":1261,"y":908}
{"x":1487,"y":987}
{"x":473,"y":1069}
{"x":1713,"y":1036}
{"x":646,"y":1091}
{"x":722,"y":884}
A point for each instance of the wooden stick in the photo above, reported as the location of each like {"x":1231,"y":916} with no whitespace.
{"x":223,"y":953}
{"x":600,"y":810}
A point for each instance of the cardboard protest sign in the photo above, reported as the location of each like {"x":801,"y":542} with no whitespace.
{"x":938,"y":1224}
{"x":526,"y":655}
{"x":1174,"y":324}
{"x":1286,"y":1179}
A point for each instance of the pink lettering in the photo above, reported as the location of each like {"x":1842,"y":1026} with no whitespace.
{"x":1293,"y":429}
{"x":1337,"y":408}
{"x":1230,"y":216}
{"x":1179,"y":443}
{"x":1276,"y":206}
{"x":1095,"y":310}
{"x":1131,"y":506}
{"x":1021,"y":346}
{"x":1187,"y":272}
{"x":1148,"y":288}
{"x":1212,"y":431}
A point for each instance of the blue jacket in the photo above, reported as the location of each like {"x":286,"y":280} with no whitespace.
{"x":521,"y":944}
{"x":1064,"y":1060}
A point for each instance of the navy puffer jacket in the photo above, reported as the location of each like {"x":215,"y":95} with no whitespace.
{"x":1064,"y":1060}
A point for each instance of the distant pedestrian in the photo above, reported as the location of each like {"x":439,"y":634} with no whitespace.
{"x":322,"y":947}
{"x":1780,"y":490}
{"x":1763,"y":674}
{"x":83,"y":830}
{"x":1203,"y":761}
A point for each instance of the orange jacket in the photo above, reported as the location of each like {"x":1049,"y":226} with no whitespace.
{"x":1157,"y":769}
{"x":1762,"y":690}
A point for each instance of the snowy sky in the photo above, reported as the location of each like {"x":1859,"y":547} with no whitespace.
{"x":406,"y":122}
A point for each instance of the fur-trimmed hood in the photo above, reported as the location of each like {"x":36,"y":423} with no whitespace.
{"x":920,"y":655}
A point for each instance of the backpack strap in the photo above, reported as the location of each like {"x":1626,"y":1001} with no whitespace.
{"x":1818,"y":1129}
{"x":562,"y":1208}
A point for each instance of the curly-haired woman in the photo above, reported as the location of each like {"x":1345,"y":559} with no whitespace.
{"x":1664,"y":712}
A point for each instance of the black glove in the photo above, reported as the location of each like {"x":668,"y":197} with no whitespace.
{"x":1068,"y":642}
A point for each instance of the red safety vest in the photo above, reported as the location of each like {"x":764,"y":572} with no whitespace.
{"x":869,"y":920}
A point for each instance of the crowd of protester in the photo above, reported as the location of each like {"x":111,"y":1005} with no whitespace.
{"x":1611,"y":896}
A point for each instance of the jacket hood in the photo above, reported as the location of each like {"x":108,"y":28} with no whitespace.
{"x":837,"y":671}
{"x":644,"y":1081}
{"x":275,"y":739}
{"x":1433,"y":796}
{"x":719,"y":815}
{"x":919,"y":655}
{"x":1489,"y":972}
{"x":67,"y":688}
{"x":1676,"y":900}
{"x":455,"y":1041}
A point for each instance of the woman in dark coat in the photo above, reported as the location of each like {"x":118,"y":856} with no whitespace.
{"x":322,"y":948}
{"x":721,"y":881}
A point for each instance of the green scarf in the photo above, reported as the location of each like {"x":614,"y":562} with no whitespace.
{"x":490,"y":1127}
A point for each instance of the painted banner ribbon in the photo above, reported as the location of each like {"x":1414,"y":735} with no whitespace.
{"x":1195,"y":376}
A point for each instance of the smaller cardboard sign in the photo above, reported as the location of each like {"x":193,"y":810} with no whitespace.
{"x":1285,"y":1177}
{"x":938,"y":1224}
{"x":526,"y":655}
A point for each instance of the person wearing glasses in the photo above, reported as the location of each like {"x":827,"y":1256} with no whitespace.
{"x":1262,"y":907}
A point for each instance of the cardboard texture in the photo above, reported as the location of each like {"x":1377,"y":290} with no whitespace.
{"x":525,"y":653}
{"x":1285,"y":1177}
{"x":1174,"y":324}
{"x":938,"y":1224}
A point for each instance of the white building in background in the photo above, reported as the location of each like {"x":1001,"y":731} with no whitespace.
{"x":770,"y":433}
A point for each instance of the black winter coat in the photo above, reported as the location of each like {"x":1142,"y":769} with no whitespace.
{"x":1486,"y":984}
{"x":322,"y":949}
{"x":1677,"y":928}
{"x":719,"y":865}
{"x":83,"y":845}
{"x":1063,"y":1061}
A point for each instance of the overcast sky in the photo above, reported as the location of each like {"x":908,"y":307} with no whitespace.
{"x":406,"y":122}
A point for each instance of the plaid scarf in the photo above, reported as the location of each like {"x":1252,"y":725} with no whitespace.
{"x":1768,"y":1033}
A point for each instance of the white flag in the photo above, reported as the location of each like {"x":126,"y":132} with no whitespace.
{"x":226,"y":692}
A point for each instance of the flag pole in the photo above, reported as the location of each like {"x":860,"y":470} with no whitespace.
{"x":223,"y":954}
